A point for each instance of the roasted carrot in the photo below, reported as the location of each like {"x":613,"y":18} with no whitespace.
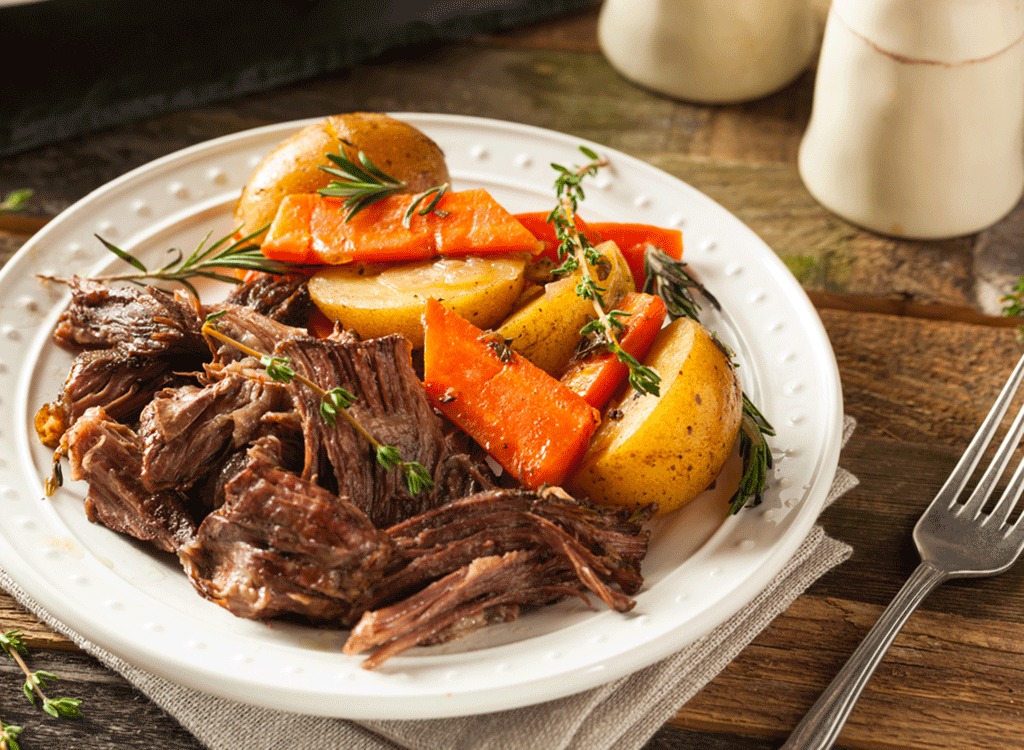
{"x":537,"y":223}
{"x":632,"y":239}
{"x":310,"y":228}
{"x":530,"y":423}
{"x":597,"y":376}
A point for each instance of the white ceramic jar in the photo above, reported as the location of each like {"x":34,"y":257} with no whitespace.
{"x":917,"y":128}
{"x":711,"y":51}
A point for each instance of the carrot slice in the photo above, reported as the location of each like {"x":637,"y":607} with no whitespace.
{"x":633,"y":239}
{"x":537,"y":223}
{"x":310,"y":228}
{"x":530,"y":423}
{"x":599,"y":375}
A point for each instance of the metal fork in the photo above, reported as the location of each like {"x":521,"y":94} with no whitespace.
{"x":955,"y":540}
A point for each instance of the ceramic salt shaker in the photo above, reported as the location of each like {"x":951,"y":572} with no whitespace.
{"x":917,"y":126}
{"x":711,"y":51}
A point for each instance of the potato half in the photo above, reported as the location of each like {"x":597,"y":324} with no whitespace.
{"x":547,"y":330}
{"x":667,"y":449}
{"x":399,"y":149}
{"x":378,"y":300}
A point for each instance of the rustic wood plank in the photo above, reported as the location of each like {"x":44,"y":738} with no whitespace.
{"x":115,"y":713}
{"x":948,"y":682}
{"x":919,"y":381}
{"x":37,"y":635}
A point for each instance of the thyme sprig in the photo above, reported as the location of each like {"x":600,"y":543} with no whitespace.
{"x":9,"y":734}
{"x":1013,"y":305}
{"x":364,"y":183}
{"x":12,"y":644}
{"x":208,"y":261}
{"x":575,"y":252}
{"x":670,"y":280}
{"x":333,"y":403}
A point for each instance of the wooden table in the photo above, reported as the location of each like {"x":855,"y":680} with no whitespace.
{"x":920,"y":350}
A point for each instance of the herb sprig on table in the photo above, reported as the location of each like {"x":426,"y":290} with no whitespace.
{"x":670,"y":280}
{"x":12,"y":643}
{"x":576,"y":253}
{"x":15,"y":200}
{"x":1013,"y":304}
{"x":333,"y":403}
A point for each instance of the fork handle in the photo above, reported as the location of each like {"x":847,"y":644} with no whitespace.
{"x":822,"y":724}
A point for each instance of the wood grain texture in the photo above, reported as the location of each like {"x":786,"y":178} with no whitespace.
{"x":115,"y":715}
{"x":949,"y":681}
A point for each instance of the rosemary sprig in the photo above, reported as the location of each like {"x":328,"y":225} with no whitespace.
{"x":365,"y":183}
{"x":12,"y":644}
{"x":15,"y":200}
{"x":333,"y":403}
{"x":669,"y":279}
{"x":359,"y":184}
{"x":435,"y":194}
{"x":755,"y":454}
{"x":575,"y":252}
{"x":207,"y":261}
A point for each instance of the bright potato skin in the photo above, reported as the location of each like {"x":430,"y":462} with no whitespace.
{"x":399,"y":149}
{"x":667,"y":449}
{"x":378,"y":300}
{"x":547,"y":330}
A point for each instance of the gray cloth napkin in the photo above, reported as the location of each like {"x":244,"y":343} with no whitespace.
{"x":623,"y":714}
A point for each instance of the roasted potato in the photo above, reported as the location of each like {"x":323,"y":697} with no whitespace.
{"x":547,"y":330}
{"x":668,"y":448}
{"x":378,"y":300}
{"x":399,"y":149}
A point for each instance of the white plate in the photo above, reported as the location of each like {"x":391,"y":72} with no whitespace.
{"x":700,"y":570}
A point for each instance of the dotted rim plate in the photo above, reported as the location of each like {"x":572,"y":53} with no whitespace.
{"x":701,"y":569}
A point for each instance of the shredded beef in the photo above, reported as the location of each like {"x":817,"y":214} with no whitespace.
{"x":282,"y":545}
{"x":106,"y":455}
{"x":185,"y":430}
{"x":208,"y":493}
{"x":480,"y":559}
{"x":120,"y":382}
{"x":392,"y":406}
{"x":282,"y":298}
{"x":138,"y":321}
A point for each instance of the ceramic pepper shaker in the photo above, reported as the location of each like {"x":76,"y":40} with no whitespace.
{"x":711,"y":51}
{"x":917,"y":127}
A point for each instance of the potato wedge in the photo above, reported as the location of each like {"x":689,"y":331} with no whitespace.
{"x":402,"y":151}
{"x":667,"y":449}
{"x":547,"y":330}
{"x":378,"y":300}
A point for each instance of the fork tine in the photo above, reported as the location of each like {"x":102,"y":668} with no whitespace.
{"x":1008,"y":500}
{"x":954,"y":484}
{"x":995,"y":469}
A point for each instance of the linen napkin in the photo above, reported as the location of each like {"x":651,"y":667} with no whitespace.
{"x":623,"y":714}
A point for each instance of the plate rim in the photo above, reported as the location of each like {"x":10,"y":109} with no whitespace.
{"x":804,"y":519}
